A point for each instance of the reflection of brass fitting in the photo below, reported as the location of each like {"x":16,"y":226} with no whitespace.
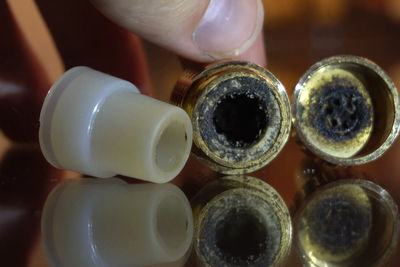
{"x":240,"y":114}
{"x":312,"y":173}
{"x":240,"y":221}
{"x":346,"y":110}
{"x":347,"y":223}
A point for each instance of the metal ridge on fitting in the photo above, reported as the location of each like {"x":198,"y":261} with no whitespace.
{"x":240,"y":114}
{"x":102,"y":126}
{"x":346,"y":110}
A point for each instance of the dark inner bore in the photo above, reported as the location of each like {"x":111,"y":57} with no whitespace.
{"x":241,"y":118}
{"x":241,"y":237}
{"x":337,"y":225}
{"x":340,"y":111}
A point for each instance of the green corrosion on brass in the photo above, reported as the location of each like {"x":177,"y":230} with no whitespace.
{"x":347,"y":223}
{"x":346,"y":110}
{"x":240,"y":114}
{"x":240,"y":221}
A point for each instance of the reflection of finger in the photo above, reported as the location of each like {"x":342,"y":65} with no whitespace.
{"x":85,"y":37}
{"x":197,"y":29}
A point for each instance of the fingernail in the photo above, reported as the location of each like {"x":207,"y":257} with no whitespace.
{"x":229,"y":27}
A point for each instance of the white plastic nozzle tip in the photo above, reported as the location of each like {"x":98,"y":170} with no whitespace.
{"x":100,"y":125}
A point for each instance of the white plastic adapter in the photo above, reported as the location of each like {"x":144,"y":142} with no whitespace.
{"x":100,"y":125}
{"x":109,"y":223}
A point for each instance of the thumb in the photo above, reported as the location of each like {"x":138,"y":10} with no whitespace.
{"x":202,"y":30}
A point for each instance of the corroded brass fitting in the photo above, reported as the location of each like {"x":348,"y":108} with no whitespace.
{"x":240,"y":221}
{"x":240,"y":114}
{"x":346,"y":110}
{"x":349,"y":222}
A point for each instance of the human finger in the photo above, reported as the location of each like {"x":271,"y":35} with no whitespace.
{"x":201,"y":30}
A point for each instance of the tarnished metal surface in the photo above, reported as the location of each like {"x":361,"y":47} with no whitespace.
{"x":240,"y":221}
{"x":346,"y":110}
{"x":240,"y":114}
{"x":350,"y":222}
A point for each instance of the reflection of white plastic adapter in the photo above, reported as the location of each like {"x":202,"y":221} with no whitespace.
{"x":109,"y":223}
{"x":100,"y":125}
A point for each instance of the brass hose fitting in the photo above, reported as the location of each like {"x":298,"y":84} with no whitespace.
{"x":346,"y":110}
{"x":240,"y":114}
{"x":349,"y":222}
{"x":240,"y":221}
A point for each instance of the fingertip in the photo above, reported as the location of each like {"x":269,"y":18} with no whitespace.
{"x":200,"y":30}
{"x":256,"y":53}
{"x":229,"y":27}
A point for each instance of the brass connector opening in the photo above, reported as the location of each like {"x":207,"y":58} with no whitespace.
{"x":347,"y":223}
{"x":240,"y":221}
{"x":346,"y":110}
{"x":241,"y":119}
{"x":240,"y":114}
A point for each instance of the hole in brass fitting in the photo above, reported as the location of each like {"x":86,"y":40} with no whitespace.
{"x":240,"y":114}
{"x":340,"y":111}
{"x":236,"y":116}
{"x":241,"y":237}
{"x":241,"y":118}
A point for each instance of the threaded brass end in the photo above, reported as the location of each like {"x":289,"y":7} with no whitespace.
{"x":240,"y":114}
